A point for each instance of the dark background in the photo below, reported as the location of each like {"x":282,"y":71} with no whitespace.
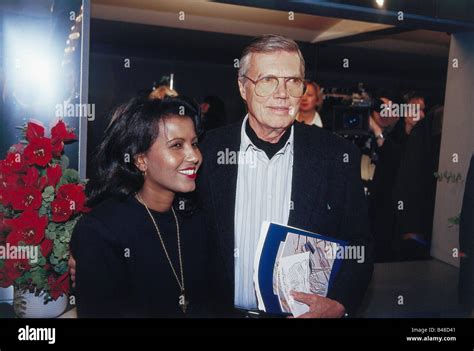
{"x":203,"y":64}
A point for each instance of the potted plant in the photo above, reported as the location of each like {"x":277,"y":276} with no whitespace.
{"x":41,"y":200}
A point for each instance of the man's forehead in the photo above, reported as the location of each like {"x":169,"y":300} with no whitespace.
{"x":279,"y":63}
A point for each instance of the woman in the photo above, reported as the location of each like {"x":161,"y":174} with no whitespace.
{"x":136,"y":254}
{"x":310,"y":102}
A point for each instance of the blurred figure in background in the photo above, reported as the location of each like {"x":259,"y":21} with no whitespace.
{"x":416,"y":184}
{"x":386,"y":147}
{"x":415,"y":99}
{"x":311,"y":103}
{"x":213,"y":113}
{"x":466,"y":241}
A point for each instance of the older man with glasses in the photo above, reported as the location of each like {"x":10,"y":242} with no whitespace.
{"x":287,"y":173}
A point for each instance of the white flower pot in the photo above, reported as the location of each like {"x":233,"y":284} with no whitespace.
{"x":27,"y":305}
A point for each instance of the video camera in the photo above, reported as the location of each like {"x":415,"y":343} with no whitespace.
{"x":351,"y":113}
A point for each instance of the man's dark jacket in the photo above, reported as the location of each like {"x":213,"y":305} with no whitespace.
{"x":328,"y":198}
{"x":466,"y":242}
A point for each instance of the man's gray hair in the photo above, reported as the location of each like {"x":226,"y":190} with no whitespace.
{"x":268,"y":43}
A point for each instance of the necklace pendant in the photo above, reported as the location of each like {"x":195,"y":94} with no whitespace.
{"x":183,"y":303}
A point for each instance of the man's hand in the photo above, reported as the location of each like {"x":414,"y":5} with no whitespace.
{"x":319,"y":307}
{"x":72,"y":270}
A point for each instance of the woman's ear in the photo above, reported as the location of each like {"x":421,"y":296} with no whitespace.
{"x":141,"y":162}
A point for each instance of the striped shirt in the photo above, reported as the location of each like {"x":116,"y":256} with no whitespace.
{"x":263,"y":194}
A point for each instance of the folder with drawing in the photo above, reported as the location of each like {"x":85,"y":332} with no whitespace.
{"x":291,"y":259}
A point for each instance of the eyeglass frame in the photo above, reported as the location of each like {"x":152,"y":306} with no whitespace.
{"x":276,"y":88}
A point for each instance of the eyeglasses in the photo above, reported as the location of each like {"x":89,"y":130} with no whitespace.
{"x":266,"y":86}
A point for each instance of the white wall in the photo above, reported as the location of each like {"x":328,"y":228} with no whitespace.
{"x":457,"y":138}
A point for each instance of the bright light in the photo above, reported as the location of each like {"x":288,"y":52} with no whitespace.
{"x":40,"y":72}
{"x":31,"y":63}
{"x":380,"y":3}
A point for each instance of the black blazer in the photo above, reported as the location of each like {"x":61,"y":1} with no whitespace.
{"x":327,"y":195}
{"x":466,"y":242}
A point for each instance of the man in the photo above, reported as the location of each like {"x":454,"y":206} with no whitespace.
{"x":285,"y":172}
{"x":385,"y":147}
{"x":417,"y":111}
{"x":416,"y":185}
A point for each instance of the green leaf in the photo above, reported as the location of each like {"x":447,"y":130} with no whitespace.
{"x":39,"y":278}
{"x":43,"y":211}
{"x":49,"y":190}
{"x":52,"y":226}
{"x":53,"y":260}
{"x":65,"y":237}
{"x":59,"y":250}
{"x":34,"y":268}
{"x":64,"y":162}
{"x":69,"y":176}
{"x":50,"y":234}
{"x":61,"y":268}
{"x":69,"y":225}
{"x":41,"y":260}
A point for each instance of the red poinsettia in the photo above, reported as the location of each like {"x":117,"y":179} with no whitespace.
{"x":59,"y":285}
{"x":14,"y":268}
{"x":8,"y":184}
{"x":5,"y":196}
{"x":60,"y":134}
{"x":53,"y":175}
{"x":10,"y":179}
{"x":32,"y":178}
{"x":58,"y":149}
{"x":25,"y":173}
{"x":46,"y":247}
{"x":3,"y":226}
{"x":74,"y":194}
{"x":61,"y":210}
{"x":34,"y":130}
{"x":25,"y":198}
{"x":28,"y":228}
{"x":39,"y":151}
{"x":3,"y":229}
{"x":14,"y":162}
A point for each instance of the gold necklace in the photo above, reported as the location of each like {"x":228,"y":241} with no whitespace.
{"x":183,"y":303}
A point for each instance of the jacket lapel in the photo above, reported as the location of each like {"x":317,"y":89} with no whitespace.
{"x":307,"y":176}
{"x":223,"y":189}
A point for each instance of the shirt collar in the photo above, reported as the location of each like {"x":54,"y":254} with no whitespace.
{"x":246,"y":142}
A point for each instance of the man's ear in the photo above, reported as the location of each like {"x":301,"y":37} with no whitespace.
{"x":241,"y":89}
{"x":140,"y":162}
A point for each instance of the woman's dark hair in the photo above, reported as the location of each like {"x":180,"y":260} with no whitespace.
{"x":132,"y":130}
